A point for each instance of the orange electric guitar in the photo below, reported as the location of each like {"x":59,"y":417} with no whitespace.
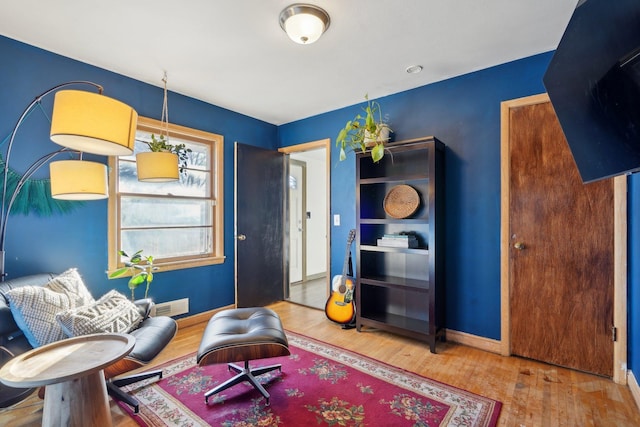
{"x":340,"y":306}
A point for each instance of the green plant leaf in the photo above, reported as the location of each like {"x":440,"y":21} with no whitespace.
{"x":371,"y":125}
{"x":343,"y":155}
{"x":137,"y":280}
{"x":377,"y":152}
{"x":119,"y":272}
{"x":341,"y":137}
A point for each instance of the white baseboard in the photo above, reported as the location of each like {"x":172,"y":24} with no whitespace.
{"x":486,"y":344}
{"x":634,"y":387}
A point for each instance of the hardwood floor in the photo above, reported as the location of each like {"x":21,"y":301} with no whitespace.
{"x":533,"y":393}
{"x":312,"y":293}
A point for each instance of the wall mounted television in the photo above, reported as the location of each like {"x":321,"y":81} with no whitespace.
{"x":593,"y":82}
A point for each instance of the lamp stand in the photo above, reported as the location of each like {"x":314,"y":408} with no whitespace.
{"x":7,"y":199}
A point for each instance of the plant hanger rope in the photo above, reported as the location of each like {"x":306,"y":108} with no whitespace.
{"x":165,"y":110}
{"x":35,"y":194}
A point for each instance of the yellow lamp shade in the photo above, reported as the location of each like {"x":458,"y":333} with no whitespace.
{"x":93,"y":123}
{"x":78,"y":180}
{"x":157,"y":166}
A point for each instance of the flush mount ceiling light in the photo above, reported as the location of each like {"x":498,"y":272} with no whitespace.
{"x":304,"y":23}
{"x":414,"y":69}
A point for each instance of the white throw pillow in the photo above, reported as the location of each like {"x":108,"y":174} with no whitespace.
{"x":34,"y":309}
{"x":71,"y":284}
{"x":113,"y":312}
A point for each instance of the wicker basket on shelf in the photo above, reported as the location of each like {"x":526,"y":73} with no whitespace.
{"x":401,"y":201}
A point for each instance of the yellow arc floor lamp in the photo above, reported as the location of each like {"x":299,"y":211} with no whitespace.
{"x":81,"y":122}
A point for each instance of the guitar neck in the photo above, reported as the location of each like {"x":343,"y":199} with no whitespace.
{"x":352,"y":234}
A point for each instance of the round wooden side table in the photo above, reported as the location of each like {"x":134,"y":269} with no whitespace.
{"x":72,"y":371}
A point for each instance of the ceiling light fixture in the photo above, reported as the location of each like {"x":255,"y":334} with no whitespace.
{"x":414,"y":69}
{"x":304,"y":23}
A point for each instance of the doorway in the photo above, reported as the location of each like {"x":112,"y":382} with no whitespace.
{"x":308,"y":212}
{"x":563,"y":249}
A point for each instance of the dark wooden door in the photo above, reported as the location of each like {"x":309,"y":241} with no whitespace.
{"x":260,"y":201}
{"x":561,"y":249}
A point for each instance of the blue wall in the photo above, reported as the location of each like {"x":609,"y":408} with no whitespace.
{"x":463,"y":112}
{"x":79,"y":239}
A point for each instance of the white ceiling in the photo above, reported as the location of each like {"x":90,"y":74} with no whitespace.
{"x":233,"y":53}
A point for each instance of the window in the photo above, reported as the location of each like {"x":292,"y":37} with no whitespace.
{"x":180,"y":223}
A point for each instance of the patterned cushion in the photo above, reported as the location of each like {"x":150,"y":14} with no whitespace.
{"x":71,"y":284}
{"x":34,"y":309}
{"x":113,"y":312}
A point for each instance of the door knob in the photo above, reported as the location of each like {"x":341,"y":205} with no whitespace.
{"x":242,"y":237}
{"x":519,"y":246}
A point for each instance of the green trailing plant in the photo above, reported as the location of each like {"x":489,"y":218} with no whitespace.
{"x":141,"y":269}
{"x":161,"y":144}
{"x":363,"y":130}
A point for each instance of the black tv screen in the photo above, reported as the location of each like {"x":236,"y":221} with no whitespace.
{"x":593,"y":82}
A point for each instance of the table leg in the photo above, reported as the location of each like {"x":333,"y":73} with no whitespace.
{"x":81,"y":402}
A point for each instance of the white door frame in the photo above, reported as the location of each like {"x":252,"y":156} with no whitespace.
{"x":313,"y":145}
{"x":298,"y":255}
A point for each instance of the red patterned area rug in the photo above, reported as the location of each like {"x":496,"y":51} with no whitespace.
{"x":320,"y":385}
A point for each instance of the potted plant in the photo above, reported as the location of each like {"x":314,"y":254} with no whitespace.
{"x":364,"y":132}
{"x":163,"y":162}
{"x":141,"y":269}
{"x":161,"y":145}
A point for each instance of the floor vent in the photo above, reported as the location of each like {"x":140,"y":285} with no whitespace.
{"x":172,"y":308}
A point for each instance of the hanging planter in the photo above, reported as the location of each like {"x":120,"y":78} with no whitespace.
{"x":165,"y":161}
{"x":157,"y":166}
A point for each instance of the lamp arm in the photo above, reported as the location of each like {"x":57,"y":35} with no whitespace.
{"x":23,"y":179}
{"x":4,"y":208}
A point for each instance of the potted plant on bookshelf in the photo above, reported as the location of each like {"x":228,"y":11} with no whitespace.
{"x":141,"y":269}
{"x":365,"y":132}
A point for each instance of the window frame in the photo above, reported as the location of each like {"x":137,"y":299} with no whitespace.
{"x":216,"y":142}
